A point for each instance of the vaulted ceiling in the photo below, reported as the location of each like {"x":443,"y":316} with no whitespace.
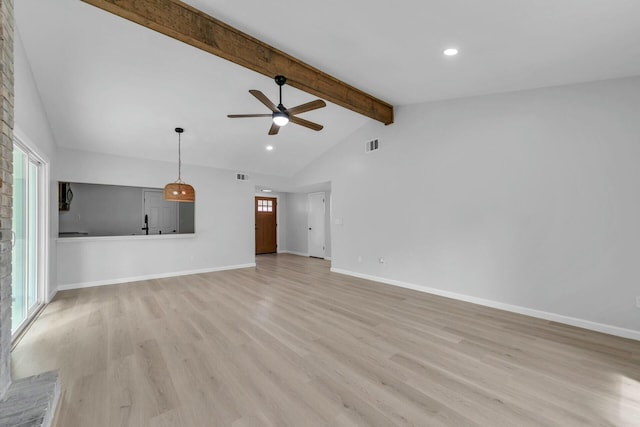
{"x":109,"y":85}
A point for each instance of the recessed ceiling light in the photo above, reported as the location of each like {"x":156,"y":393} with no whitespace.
{"x":451,"y":51}
{"x":269,"y":147}
{"x":266,"y":191}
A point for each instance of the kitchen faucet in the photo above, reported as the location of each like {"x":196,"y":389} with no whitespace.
{"x":146,"y":224}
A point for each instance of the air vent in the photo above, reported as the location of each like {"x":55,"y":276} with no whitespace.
{"x":242,"y":177}
{"x":372,"y":145}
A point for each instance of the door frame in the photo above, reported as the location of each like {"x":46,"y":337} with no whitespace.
{"x":268,"y":196}
{"x":324,"y":225}
{"x":43,"y":285}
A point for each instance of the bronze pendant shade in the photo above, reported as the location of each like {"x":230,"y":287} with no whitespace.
{"x":179,"y":191}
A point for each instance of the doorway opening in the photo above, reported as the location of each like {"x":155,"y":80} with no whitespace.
{"x":266,"y":225}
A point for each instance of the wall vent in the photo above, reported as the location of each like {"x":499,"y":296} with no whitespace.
{"x":242,"y":177}
{"x":372,"y":145}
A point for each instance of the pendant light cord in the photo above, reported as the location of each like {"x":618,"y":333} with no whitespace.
{"x":179,"y":191}
{"x":179,"y":158}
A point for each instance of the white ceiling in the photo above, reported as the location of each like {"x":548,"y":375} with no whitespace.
{"x":109,"y":85}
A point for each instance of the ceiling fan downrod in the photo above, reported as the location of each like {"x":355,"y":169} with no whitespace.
{"x":280,"y":81}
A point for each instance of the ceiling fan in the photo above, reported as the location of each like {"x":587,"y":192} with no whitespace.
{"x":281,"y":115}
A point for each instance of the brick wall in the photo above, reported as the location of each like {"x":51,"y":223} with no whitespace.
{"x":6,"y":170}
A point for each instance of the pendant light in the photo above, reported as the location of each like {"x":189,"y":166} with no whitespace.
{"x":179,"y":191}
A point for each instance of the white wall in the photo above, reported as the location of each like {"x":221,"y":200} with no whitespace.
{"x":30,"y":117}
{"x":32,"y":128}
{"x":527,"y":199}
{"x":297,"y":225}
{"x":223,"y":215}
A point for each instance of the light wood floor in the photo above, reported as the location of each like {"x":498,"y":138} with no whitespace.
{"x":291,"y":344}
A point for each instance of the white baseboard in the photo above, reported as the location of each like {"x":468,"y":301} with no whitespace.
{"x":328,"y":258}
{"x":580,"y":323}
{"x":51,"y":295}
{"x":294,"y":253}
{"x":151,"y":276}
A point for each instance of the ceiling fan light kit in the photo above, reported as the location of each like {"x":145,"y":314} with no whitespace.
{"x":179,"y":191}
{"x":280,"y":115}
{"x":281,"y":119}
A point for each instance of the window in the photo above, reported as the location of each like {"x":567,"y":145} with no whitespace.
{"x":265,"y":205}
{"x":27,"y":229}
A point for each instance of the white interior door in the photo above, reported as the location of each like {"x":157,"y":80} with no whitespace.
{"x":316,"y":225}
{"x":162,"y":216}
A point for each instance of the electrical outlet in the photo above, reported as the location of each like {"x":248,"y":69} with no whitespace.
{"x":381,"y":260}
{"x":638,"y":301}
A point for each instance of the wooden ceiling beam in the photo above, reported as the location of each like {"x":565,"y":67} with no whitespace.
{"x":189,"y":25}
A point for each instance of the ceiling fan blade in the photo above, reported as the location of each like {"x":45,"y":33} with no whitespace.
{"x":305,"y":123}
{"x":242,"y":116}
{"x":262,"y":98}
{"x":313,"y":105}
{"x":274,"y":129}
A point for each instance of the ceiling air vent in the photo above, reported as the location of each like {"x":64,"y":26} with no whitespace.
{"x":242,"y":177}
{"x":372,"y":145}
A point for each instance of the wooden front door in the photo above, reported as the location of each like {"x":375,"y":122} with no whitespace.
{"x":266,"y":241}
